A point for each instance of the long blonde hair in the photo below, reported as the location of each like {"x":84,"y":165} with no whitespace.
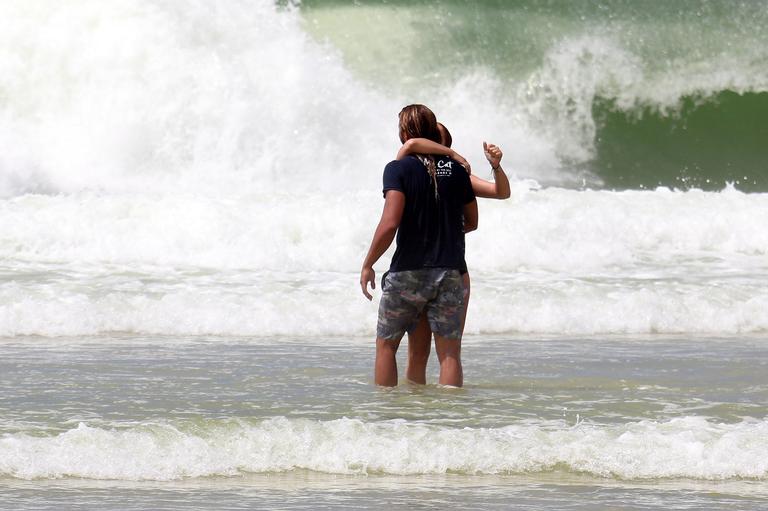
{"x":418,"y":121}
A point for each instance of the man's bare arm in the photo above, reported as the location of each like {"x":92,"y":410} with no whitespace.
{"x":394,"y":204}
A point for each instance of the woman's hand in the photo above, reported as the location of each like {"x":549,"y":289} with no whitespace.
{"x":493,"y":154}
{"x":464,"y":163}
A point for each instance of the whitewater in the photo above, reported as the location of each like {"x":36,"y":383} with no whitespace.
{"x":187,"y":194}
{"x":547,"y":261}
{"x":152,"y":156}
{"x":684,"y":447}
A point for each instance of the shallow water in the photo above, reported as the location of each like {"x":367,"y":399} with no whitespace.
{"x":576,"y":423}
{"x":313,"y":491}
{"x":51,"y":382}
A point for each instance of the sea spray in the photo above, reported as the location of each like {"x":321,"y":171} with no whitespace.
{"x":238,"y":97}
{"x":203,"y":98}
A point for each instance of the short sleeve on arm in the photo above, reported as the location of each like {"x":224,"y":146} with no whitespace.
{"x":393,"y":177}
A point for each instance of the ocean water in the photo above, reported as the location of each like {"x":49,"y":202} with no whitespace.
{"x":574,"y":423}
{"x":187,"y":192}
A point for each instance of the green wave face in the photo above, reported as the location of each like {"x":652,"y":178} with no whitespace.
{"x":707,"y":144}
{"x":404,"y":42}
{"x":628,"y":94}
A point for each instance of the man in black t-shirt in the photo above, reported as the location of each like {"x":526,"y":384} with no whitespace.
{"x":429,"y":203}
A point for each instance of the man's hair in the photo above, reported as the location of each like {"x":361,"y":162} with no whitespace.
{"x":445,"y":136}
{"x":418,"y":121}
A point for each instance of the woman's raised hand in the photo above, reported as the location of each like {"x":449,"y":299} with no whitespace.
{"x":493,"y":154}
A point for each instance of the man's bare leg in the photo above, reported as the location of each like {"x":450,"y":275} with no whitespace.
{"x":449,"y":355}
{"x":419,"y":344}
{"x":385,"y":369}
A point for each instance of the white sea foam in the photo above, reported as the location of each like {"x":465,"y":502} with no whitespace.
{"x":330,"y":304}
{"x":552,"y":229}
{"x":690,"y":447}
{"x":155,"y":95}
{"x":213,"y":169}
{"x":547,"y":261}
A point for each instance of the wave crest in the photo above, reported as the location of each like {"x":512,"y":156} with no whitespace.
{"x":690,"y":447}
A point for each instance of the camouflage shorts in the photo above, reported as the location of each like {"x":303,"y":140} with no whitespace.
{"x":438,"y":292}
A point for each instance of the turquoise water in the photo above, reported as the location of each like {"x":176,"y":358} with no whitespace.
{"x":663,"y":93}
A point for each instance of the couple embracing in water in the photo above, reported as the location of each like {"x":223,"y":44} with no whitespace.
{"x":430,"y":203}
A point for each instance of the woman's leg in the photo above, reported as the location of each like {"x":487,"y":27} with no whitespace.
{"x":419,"y":344}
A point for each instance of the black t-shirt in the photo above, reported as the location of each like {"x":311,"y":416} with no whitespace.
{"x":431,"y":232}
